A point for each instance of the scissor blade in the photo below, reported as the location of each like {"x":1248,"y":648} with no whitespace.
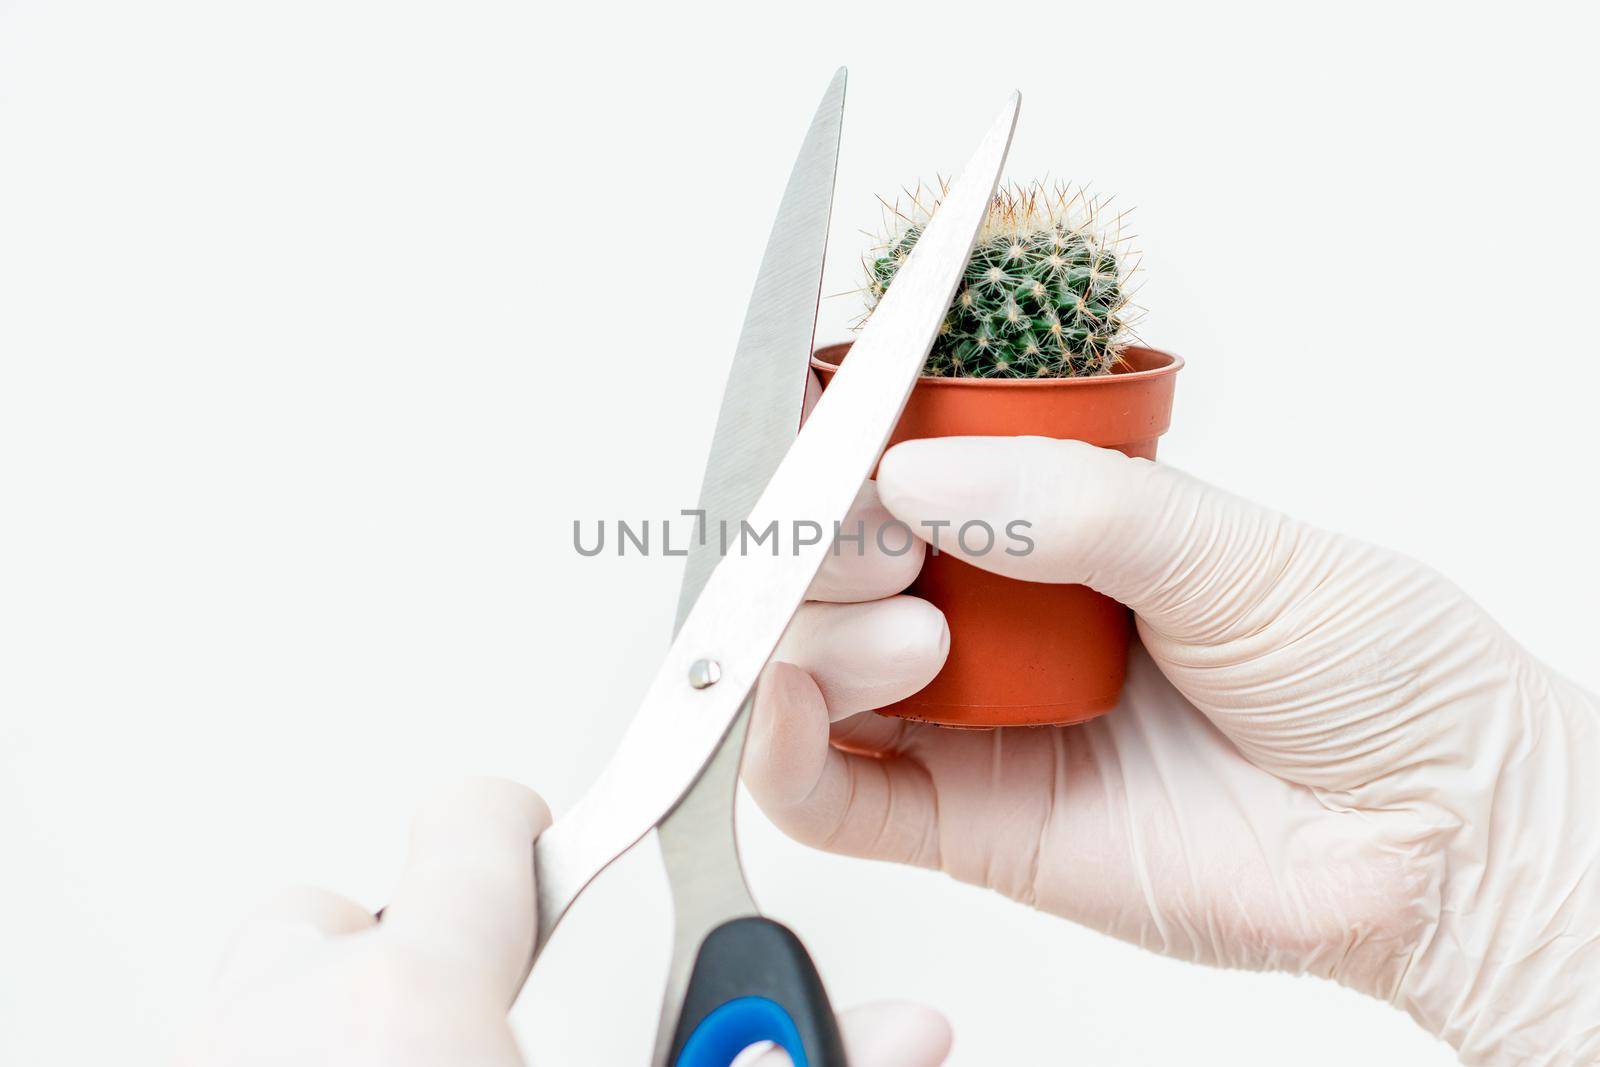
{"x":749,"y":599}
{"x":760,"y":416}
{"x":767,"y":383}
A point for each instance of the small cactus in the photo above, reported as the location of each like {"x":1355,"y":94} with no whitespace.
{"x":1045,"y":294}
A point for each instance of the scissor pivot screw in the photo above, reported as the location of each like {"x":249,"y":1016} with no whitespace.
{"x":705,"y":673}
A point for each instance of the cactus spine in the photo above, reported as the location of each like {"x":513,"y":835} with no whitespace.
{"x":1045,"y":294}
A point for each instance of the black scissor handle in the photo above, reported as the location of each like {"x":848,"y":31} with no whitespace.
{"x":753,"y":981}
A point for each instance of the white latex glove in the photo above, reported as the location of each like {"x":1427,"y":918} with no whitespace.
{"x":314,"y":980}
{"x":1327,"y":759}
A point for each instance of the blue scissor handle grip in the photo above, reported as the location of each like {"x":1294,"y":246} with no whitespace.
{"x":753,"y":981}
{"x":737,"y":1025}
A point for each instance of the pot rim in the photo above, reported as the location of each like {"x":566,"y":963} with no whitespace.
{"x":1174,"y":365}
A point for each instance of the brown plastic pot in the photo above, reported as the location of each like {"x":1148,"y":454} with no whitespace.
{"x":1071,"y":666}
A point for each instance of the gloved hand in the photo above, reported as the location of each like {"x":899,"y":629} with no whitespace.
{"x":314,"y":979}
{"x":1327,"y":759}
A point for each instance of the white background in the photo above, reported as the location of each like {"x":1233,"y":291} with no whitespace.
{"x":322,"y":321}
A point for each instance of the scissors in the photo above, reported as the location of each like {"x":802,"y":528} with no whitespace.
{"x":738,"y":978}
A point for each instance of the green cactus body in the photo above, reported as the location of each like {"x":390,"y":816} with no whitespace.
{"x":1045,"y":294}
